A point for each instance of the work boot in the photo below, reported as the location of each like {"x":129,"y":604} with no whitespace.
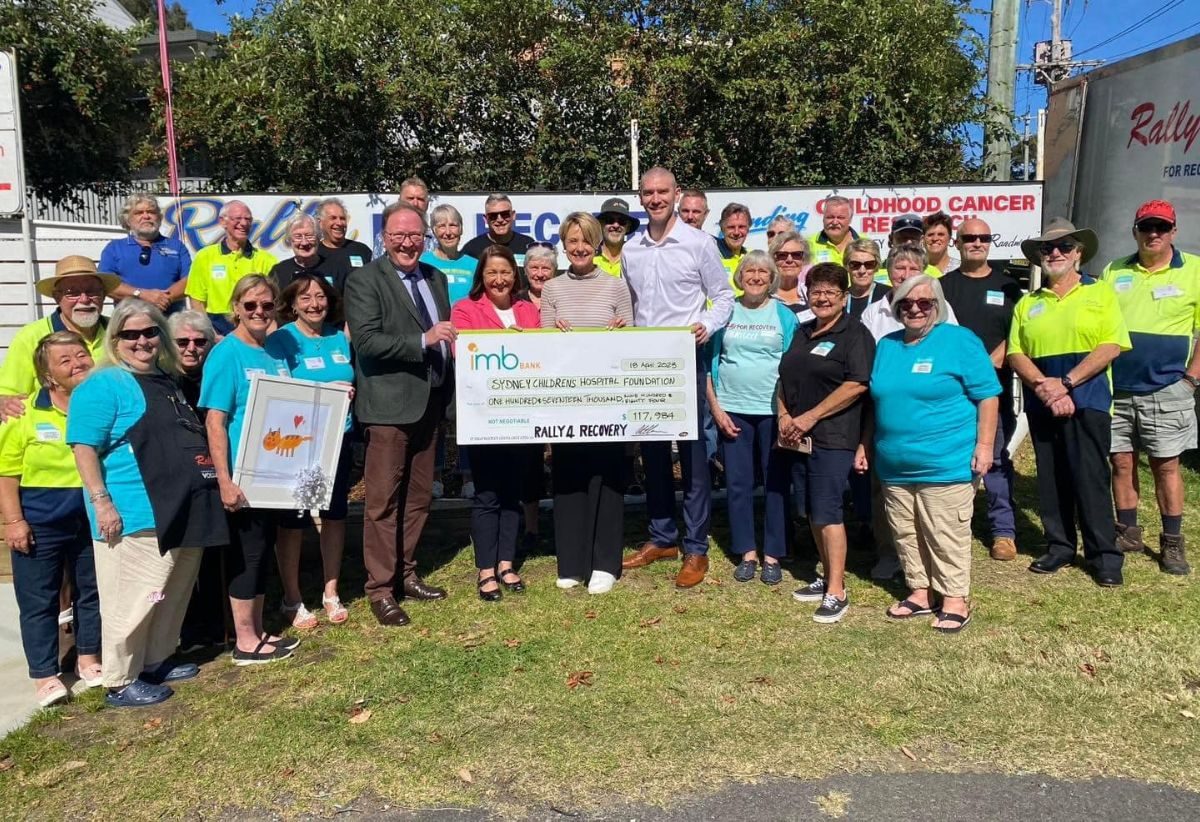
{"x":1004,"y":549}
{"x":1129,"y":538}
{"x":1171,"y":558}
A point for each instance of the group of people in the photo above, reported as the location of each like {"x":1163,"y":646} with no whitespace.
{"x":814,"y":377}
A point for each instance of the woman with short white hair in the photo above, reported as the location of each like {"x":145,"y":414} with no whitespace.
{"x":938,"y":376}
{"x":302,"y":234}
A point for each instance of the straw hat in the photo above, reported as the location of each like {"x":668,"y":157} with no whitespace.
{"x":76,"y":266}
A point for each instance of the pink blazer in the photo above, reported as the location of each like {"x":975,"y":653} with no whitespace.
{"x":471,"y":314}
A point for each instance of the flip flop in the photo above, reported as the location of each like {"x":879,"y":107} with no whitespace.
{"x":959,"y":618}
{"x":915,"y":610}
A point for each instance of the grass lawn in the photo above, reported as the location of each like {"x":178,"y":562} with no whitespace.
{"x":564,"y":699}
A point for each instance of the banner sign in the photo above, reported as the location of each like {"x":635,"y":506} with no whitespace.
{"x":1012,"y":210}
{"x":587,"y":385}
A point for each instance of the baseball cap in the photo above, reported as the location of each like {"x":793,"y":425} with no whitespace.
{"x":908,"y":221}
{"x":1155,"y":209}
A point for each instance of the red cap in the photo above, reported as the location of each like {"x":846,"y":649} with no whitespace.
{"x":1159,"y":209}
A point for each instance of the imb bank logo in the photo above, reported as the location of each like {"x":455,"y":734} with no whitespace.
{"x":502,"y":360}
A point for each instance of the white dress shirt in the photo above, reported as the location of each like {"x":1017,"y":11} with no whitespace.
{"x":878,"y":319}
{"x":672,"y":281}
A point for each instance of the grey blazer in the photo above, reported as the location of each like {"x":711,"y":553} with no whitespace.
{"x":391,"y":367}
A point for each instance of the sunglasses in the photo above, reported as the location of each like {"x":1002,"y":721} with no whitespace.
{"x":542,"y":244}
{"x":184,"y":342}
{"x":132,"y":334}
{"x":797,"y":256}
{"x":506,"y":214}
{"x":923,"y":305}
{"x":974,"y":238}
{"x":1154,"y":227}
{"x":252,"y":306}
{"x":869,"y":265}
{"x":1063,"y":246}
{"x":144,"y":255}
{"x":185,"y":415}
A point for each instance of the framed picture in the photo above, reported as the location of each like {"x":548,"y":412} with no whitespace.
{"x":290,"y":441}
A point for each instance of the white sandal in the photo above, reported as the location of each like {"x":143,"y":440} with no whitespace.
{"x":299,"y":615}
{"x":334,"y":609}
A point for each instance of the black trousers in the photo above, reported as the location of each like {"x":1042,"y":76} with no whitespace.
{"x":496,"y":506}
{"x":252,"y":532}
{"x":1075,"y":485}
{"x":589,"y":507}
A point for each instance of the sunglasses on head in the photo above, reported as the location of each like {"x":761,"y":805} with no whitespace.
{"x":252,"y":306}
{"x":131,"y":334}
{"x":144,"y":255}
{"x":797,"y":256}
{"x":542,"y":244}
{"x":1063,"y":246}
{"x":492,"y":216}
{"x":184,"y":342}
{"x":924,"y":305}
{"x":975,"y":238}
{"x":1154,"y":227}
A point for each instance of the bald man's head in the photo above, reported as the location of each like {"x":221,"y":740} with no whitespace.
{"x":974,"y":242}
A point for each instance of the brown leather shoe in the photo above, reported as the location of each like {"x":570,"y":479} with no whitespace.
{"x":695,"y":566}
{"x":415,"y":588}
{"x":1004,"y":549}
{"x":387,"y":612}
{"x":649,"y":553}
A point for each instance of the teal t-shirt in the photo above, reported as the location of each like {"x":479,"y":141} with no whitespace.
{"x":459,"y":273}
{"x":925,"y":396}
{"x":226,"y":383}
{"x":748,"y":367}
{"x":320,"y":359}
{"x":103,"y":408}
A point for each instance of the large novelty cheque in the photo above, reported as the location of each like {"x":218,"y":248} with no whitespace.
{"x":586,"y":385}
{"x":288,"y":451}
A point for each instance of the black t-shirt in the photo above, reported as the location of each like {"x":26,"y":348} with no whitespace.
{"x":345,"y":258}
{"x":983,"y":304}
{"x":855,"y":306}
{"x":518,"y":244}
{"x":287,"y":270}
{"x":813,"y":367}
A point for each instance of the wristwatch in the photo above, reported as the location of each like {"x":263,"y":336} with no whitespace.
{"x":1068,"y":383}
{"x":1195,"y":381}
{"x":137,"y":292}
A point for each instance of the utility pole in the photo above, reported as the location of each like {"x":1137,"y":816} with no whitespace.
{"x":1052,"y":61}
{"x":1025,"y":144}
{"x":1002,"y":58}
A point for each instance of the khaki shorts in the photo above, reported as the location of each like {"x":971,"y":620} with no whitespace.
{"x":1162,"y":424}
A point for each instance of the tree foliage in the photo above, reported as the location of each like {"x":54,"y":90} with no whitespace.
{"x":82,"y":95}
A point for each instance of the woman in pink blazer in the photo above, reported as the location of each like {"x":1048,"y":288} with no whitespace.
{"x":494,"y":304}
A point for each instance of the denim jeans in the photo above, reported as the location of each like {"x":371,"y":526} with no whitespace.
{"x":756,"y":437}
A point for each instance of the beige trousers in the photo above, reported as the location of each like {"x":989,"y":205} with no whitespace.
{"x":143,"y":598}
{"x":931,"y":525}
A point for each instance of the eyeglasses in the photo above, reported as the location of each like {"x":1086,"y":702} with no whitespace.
{"x":1154,"y":227}
{"x":922,"y":305}
{"x":144,"y":255}
{"x":869,"y":265}
{"x":250,"y":307}
{"x":826,"y":293}
{"x":303,"y":238}
{"x":80,"y":293}
{"x":405,"y":236}
{"x":150,"y":332}
{"x":975,"y":238}
{"x":1063,"y":246}
{"x":771,"y":234}
{"x":184,"y":342}
{"x":493,"y":216}
{"x":795,"y":256}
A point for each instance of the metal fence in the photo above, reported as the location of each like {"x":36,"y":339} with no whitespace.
{"x":84,"y":206}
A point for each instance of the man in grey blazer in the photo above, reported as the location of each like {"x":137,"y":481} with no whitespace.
{"x":398,"y":311}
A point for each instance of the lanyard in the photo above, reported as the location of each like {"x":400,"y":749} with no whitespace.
{"x":870,"y":294}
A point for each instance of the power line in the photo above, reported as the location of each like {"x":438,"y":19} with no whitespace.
{"x":1178,"y":34}
{"x":1163,"y":9}
{"x":1079,"y":22}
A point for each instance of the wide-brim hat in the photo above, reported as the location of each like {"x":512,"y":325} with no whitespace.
{"x":1057,"y":229}
{"x":76,"y":265}
{"x":617,"y":206}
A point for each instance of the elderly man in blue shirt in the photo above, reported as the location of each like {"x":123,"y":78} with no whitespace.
{"x":152,"y":267}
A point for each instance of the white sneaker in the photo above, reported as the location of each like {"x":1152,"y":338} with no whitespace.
{"x":438,"y":489}
{"x":601,"y":582}
{"x":468,"y":490}
{"x":568,"y":582}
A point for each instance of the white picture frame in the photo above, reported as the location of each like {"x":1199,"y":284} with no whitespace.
{"x":290,"y":425}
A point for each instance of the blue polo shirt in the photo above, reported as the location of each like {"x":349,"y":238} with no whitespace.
{"x":168,"y":262}
{"x":103,"y":409}
{"x":225,"y":385}
{"x":321,"y":359}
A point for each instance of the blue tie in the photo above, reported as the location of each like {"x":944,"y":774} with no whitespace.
{"x":437,"y":360}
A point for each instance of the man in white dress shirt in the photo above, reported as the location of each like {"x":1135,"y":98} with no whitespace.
{"x":676,"y":278}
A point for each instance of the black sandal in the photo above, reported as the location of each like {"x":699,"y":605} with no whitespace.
{"x":959,"y":618}
{"x":915,"y":610}
{"x":488,"y":596}
{"x":514,"y":587}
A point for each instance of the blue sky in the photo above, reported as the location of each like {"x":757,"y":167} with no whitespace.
{"x":1087,"y":22}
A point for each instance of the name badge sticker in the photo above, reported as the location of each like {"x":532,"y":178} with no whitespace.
{"x":1035,"y":311}
{"x":1123,"y":283}
{"x":356,"y":261}
{"x":822,"y":349}
{"x":218,"y":272}
{"x":46,"y":432}
{"x":923,"y":367}
{"x":314,"y":363}
{"x":1165,"y":291}
{"x":995,"y":298}
{"x":339,"y":358}
{"x":250,"y":372}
